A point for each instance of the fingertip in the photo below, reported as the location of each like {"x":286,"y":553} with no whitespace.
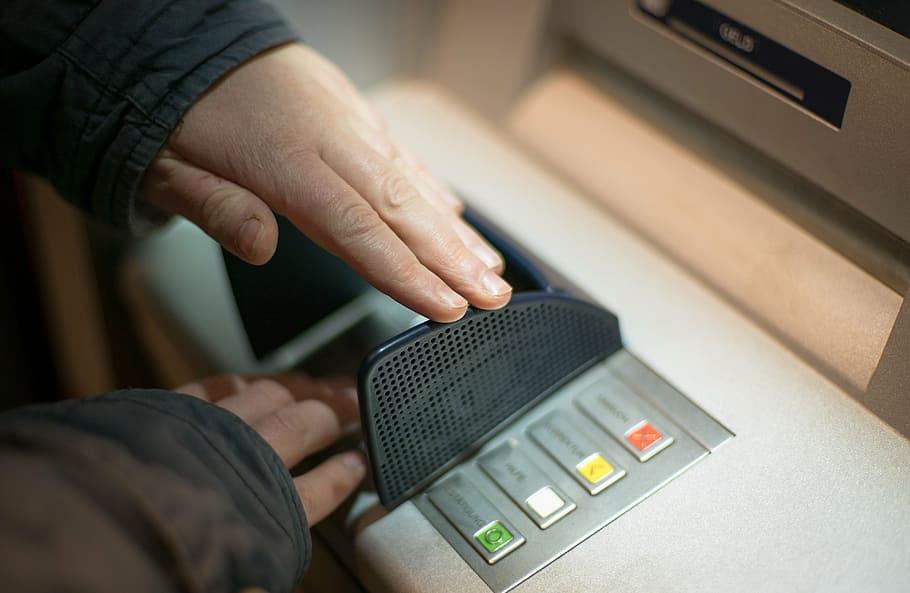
{"x":355,"y":462}
{"x":452,"y":307}
{"x":325,"y":487}
{"x":495,"y":286}
{"x":491,"y":258}
{"x":498,"y":303}
{"x":449,"y":316}
{"x":257,"y":239}
{"x":497,"y":292}
{"x":456,"y":204}
{"x":248,"y":237}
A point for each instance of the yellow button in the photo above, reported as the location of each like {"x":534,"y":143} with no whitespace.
{"x":594,"y":468}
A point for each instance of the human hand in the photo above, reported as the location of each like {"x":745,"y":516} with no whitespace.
{"x":287,"y":132}
{"x":297,"y":416}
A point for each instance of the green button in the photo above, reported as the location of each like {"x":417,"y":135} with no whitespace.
{"x":493,"y":536}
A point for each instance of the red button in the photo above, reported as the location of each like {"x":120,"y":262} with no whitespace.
{"x":644,"y":436}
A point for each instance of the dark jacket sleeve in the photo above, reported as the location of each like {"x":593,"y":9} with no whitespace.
{"x":90,"y":90}
{"x":144,"y":491}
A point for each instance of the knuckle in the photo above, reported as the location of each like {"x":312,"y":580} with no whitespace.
{"x":219,"y":204}
{"x":303,"y":416}
{"x":409,"y":273}
{"x":397,"y":191}
{"x":457,"y":265}
{"x":339,"y":484}
{"x":288,"y":421}
{"x":359,"y":221}
{"x":274,"y":391}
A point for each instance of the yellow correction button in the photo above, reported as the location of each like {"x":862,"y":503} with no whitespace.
{"x":595,"y":468}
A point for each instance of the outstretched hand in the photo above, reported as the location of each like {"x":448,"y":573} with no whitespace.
{"x":287,"y":132}
{"x":298,"y":417}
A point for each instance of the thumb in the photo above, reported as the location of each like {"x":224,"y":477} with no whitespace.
{"x":232,"y":215}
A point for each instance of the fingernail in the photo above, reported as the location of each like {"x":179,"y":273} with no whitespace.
{"x":249,"y":235}
{"x":493,"y":284}
{"x":353,"y":461}
{"x":487,"y":256}
{"x":451,"y":299}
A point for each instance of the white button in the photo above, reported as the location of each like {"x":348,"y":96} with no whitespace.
{"x":545,"y":502}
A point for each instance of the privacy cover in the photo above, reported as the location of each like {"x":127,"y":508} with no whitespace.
{"x":433,"y":395}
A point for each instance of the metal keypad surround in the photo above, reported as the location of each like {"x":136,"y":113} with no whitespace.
{"x":471,"y":513}
{"x":570,"y":447}
{"x":613,"y":406}
{"x":517,"y":476}
{"x":694,"y":433}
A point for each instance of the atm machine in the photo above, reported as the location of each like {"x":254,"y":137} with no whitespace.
{"x":703,"y":381}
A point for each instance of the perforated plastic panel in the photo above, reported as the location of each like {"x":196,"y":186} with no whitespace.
{"x":434,"y":394}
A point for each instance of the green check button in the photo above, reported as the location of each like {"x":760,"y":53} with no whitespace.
{"x":493,"y":536}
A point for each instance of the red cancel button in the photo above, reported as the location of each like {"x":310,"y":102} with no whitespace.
{"x":643,"y":436}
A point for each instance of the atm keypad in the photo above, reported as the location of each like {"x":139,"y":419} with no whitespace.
{"x":587,"y":454}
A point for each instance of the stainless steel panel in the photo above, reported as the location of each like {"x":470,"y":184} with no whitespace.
{"x":518,"y":477}
{"x":472,"y":514}
{"x":573,"y":450}
{"x":616,"y":408}
{"x":647,"y":384}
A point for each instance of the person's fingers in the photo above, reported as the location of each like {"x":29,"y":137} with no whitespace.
{"x":417,"y":165}
{"x":264,"y":394}
{"x":476,"y":243}
{"x":229,"y":213}
{"x":379,"y":141}
{"x":339,"y":393}
{"x":300,"y":429}
{"x":258,"y":399}
{"x":432,"y":191}
{"x":426,"y":231}
{"x":324,"y":207}
{"x":214,"y":389}
{"x":326,"y":486}
{"x":253,"y":397}
{"x":471,"y":238}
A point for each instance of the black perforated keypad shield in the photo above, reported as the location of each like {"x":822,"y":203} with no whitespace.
{"x":436,"y":393}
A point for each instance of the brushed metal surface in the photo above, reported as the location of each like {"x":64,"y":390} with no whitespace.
{"x":517,"y":476}
{"x":567,"y":443}
{"x":613,"y":406}
{"x":468,"y":511}
{"x":650,"y":387}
